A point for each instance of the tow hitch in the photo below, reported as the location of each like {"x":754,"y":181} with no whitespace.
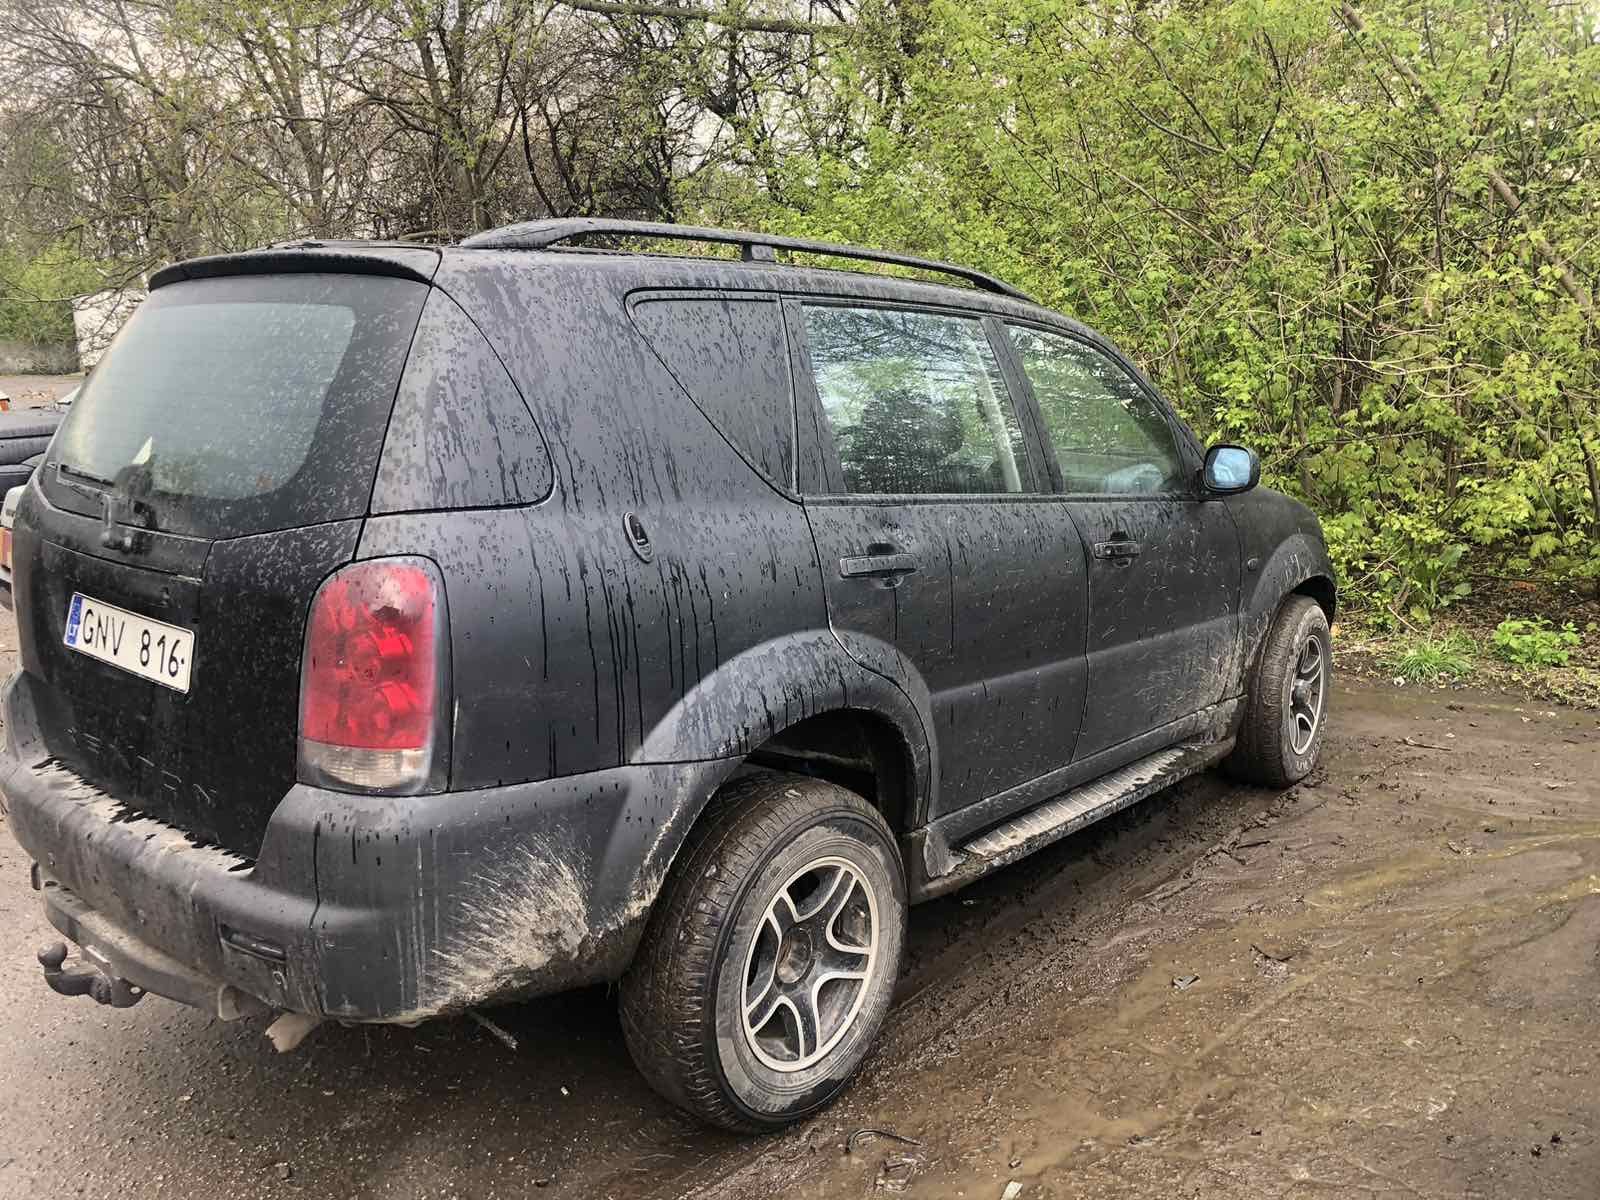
{"x":94,"y":980}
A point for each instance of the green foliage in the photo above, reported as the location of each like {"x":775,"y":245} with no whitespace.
{"x":1305,"y":251}
{"x":1300,"y":230}
{"x":35,"y":292}
{"x":1534,"y":643}
{"x":1432,"y":660}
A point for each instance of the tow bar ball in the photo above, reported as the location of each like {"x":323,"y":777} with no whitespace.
{"x":91,"y":981}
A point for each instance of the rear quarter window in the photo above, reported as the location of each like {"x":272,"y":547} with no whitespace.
{"x":728,"y":353}
{"x":460,"y":436}
{"x":247,"y":403}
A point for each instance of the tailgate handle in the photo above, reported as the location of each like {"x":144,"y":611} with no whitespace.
{"x":890,"y":565}
{"x":1119,"y":547}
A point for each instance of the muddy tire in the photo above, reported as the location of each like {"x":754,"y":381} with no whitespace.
{"x":1286,"y":711}
{"x":769,"y":960}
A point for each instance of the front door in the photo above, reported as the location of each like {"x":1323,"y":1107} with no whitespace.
{"x":1163,"y":561}
{"x":947,"y":568}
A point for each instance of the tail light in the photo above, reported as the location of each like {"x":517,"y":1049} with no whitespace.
{"x":374,"y":680}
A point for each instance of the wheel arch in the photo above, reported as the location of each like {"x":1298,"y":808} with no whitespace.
{"x":798,"y":703}
{"x":1298,"y":566}
{"x":1320,"y":588}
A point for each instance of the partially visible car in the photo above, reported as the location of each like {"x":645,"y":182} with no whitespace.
{"x":24,"y":434}
{"x":8,"y":518}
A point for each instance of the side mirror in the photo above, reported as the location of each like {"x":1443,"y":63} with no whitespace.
{"x":1230,"y":470}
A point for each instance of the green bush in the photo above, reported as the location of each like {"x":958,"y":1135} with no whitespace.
{"x":1534,"y":643}
{"x":1231,"y":192}
{"x":1431,"y":660}
{"x":34,"y":294}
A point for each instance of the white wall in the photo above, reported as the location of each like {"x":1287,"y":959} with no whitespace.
{"x":96,"y":319}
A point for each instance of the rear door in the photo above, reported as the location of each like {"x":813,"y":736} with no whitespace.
{"x":212,"y":472}
{"x":937,"y":537}
{"x":1163,"y":562}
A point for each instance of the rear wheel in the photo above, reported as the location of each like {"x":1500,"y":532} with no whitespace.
{"x":1286,"y":710}
{"x":768,"y":965}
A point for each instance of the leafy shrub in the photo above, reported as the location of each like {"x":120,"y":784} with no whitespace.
{"x":1534,"y":643}
{"x":1431,"y":660}
{"x":34,"y":304}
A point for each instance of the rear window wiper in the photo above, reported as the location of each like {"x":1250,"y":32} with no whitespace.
{"x":116,"y":509}
{"x":103,"y":484}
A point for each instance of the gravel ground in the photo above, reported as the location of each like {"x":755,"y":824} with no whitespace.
{"x":1395,"y":970}
{"x":35,"y":391}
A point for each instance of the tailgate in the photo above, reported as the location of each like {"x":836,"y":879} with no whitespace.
{"x":213,"y":471}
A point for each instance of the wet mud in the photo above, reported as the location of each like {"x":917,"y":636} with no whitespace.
{"x":1388,"y":988}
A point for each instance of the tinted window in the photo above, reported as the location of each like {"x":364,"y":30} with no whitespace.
{"x":460,"y":436}
{"x":916,"y":402}
{"x":1108,"y":435}
{"x":729,"y":356}
{"x":246,"y":403}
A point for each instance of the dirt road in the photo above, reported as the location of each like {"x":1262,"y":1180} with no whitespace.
{"x":35,"y":391}
{"x":1394,"y":993}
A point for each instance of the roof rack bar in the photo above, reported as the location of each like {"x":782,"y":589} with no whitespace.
{"x":753,"y":247}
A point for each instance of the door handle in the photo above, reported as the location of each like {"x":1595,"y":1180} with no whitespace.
{"x":890,"y":566}
{"x":1118,"y":548}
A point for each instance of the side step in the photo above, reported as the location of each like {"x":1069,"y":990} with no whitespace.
{"x":1071,"y":811}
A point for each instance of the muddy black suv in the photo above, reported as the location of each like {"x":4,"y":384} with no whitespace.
{"x":409,"y":629}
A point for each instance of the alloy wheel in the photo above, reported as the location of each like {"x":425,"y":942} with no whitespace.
{"x":809,"y":965}
{"x":1307,"y":694}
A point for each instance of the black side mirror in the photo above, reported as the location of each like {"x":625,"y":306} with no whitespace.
{"x":1230,"y":470}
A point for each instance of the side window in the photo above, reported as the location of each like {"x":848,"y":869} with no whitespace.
{"x":729,"y":355}
{"x":459,"y":434}
{"x":916,"y":402}
{"x":1109,"y":436}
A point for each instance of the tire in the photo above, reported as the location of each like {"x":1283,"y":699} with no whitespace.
{"x":709,"y":948}
{"x":1273,"y":747}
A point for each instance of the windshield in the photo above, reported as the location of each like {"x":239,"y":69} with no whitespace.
{"x":246,"y":403}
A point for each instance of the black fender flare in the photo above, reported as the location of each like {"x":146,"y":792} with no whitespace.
{"x":730,"y":713}
{"x":1301,"y":559}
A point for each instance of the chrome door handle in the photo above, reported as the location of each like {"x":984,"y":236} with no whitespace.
{"x":877,"y":566}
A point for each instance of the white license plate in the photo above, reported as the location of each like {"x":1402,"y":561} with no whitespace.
{"x":140,"y":646}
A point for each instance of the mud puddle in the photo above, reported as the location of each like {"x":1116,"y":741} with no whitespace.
{"x":1395,"y":994}
{"x":1383,"y":984}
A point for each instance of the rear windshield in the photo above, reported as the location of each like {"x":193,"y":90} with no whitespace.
{"x":243,"y":404}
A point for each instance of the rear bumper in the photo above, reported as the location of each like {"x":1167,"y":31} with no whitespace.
{"x":358,"y":908}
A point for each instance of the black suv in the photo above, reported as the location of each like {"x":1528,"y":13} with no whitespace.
{"x":407,"y":629}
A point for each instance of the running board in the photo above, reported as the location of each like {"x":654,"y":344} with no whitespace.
{"x":1071,"y":811}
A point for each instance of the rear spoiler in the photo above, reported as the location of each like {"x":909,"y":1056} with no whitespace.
{"x":344,"y":258}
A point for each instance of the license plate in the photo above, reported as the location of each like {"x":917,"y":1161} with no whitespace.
{"x":140,"y":646}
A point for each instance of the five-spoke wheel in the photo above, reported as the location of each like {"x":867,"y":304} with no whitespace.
{"x":1307,"y":693}
{"x":769,"y":962}
{"x":1285,"y":712}
{"x":807,"y":968}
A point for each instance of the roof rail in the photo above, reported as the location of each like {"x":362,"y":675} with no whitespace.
{"x":753,"y":247}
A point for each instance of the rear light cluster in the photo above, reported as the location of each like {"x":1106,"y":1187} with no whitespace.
{"x":373,"y":679}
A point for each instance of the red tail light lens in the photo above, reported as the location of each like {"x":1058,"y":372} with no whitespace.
{"x":371,"y":681}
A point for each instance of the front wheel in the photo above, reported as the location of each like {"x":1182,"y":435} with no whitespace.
{"x":768,"y":964}
{"x":1286,"y":711}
